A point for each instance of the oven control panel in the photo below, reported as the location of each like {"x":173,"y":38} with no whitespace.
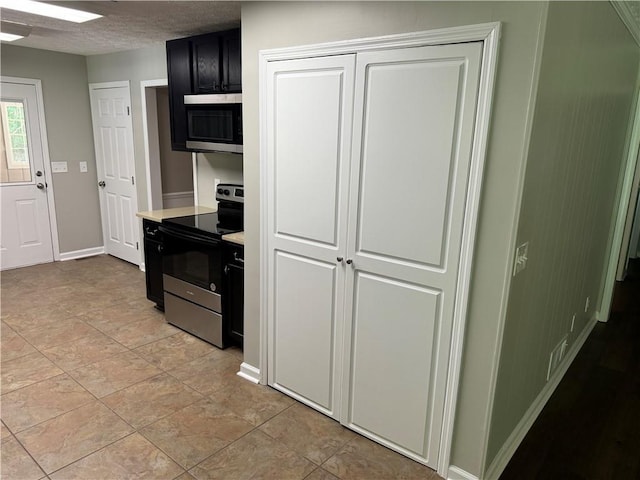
{"x":230,"y":192}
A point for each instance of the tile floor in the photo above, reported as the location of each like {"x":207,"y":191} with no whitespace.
{"x":95,"y":385}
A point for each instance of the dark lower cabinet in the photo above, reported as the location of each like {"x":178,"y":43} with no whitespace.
{"x":233,"y":297}
{"x":153,"y":262}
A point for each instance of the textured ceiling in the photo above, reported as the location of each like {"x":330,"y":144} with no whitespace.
{"x":126,"y":25}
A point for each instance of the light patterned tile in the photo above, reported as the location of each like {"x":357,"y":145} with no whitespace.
{"x":192,"y":434}
{"x":255,"y":455}
{"x":69,"y":437}
{"x":131,"y":457}
{"x":57,"y":333}
{"x":210,"y":373}
{"x":254,"y":403}
{"x":86,"y":350}
{"x":174,"y":351}
{"x":362,"y":458}
{"x":321,"y":474}
{"x":114,"y":373}
{"x":150,"y":400}
{"x":5,"y":433}
{"x":13,"y":345}
{"x":311,"y":434}
{"x":27,"y":370}
{"x":42,"y":401}
{"x":16,"y":462}
{"x":142,"y":332}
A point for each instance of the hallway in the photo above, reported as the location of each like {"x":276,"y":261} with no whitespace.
{"x":590,"y":428}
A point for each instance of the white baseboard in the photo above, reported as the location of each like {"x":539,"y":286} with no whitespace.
{"x":249,"y":372}
{"x":76,"y":254}
{"x":456,"y":473}
{"x":142,"y":267}
{"x":177,"y":199}
{"x":513,"y":442}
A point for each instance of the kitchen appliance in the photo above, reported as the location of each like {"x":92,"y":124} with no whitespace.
{"x":214,"y":122}
{"x":192,"y":266}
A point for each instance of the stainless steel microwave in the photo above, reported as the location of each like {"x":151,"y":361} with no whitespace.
{"x":214,"y":122}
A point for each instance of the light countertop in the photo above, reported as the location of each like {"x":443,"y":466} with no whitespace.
{"x":159,"y":215}
{"x":237,"y":238}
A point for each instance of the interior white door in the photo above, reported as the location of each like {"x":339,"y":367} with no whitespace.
{"x":25,"y":231}
{"x":113,"y":137}
{"x":310,"y":105}
{"x":411,"y":157}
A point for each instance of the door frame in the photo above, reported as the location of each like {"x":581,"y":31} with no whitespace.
{"x":46,"y":159}
{"x":151,"y":141}
{"x":489,"y":34}
{"x":100,"y":86}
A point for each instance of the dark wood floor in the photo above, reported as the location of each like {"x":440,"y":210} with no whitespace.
{"x":590,"y":428}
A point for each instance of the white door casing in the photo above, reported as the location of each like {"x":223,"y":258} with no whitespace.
{"x":113,"y":137}
{"x":308,"y":225}
{"x":413,"y":274}
{"x":27,"y":229}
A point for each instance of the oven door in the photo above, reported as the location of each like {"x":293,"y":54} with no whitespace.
{"x":191,"y":258}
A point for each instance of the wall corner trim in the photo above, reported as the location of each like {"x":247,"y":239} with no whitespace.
{"x":456,"y":473}
{"x":84,"y":253}
{"x":249,"y":372}
{"x":624,"y":11}
{"x":520,"y":431}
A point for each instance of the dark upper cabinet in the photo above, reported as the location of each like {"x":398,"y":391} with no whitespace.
{"x":231,"y":62}
{"x":209,"y":63}
{"x":179,"y":75}
{"x":206,"y":66}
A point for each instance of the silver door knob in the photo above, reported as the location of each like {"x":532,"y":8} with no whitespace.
{"x":102,"y":184}
{"x":40,"y":186}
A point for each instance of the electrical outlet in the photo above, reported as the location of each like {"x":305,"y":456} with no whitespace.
{"x":83,"y":167}
{"x":59,"y":167}
{"x":556,"y":356}
{"x":586,"y":305}
{"x":520,"y":262}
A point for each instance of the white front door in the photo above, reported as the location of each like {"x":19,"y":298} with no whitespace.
{"x":25,"y":231}
{"x":113,"y":136}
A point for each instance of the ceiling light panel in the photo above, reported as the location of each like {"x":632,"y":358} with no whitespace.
{"x":48,"y":10}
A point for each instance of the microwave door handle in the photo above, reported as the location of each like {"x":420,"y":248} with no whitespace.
{"x":189,"y":237}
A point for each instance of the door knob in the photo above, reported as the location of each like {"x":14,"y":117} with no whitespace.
{"x":40,"y":186}
{"x":102,"y":184}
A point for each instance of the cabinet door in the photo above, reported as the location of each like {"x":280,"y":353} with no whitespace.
{"x":179,"y":75}
{"x":206,"y":64}
{"x":235,"y":303}
{"x":309,"y":106}
{"x":413,"y":136}
{"x":231,"y":62}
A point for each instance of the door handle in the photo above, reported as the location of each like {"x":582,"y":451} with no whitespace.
{"x":102,"y":183}
{"x":40,"y":186}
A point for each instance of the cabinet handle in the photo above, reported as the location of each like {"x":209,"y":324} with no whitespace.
{"x":160,"y":248}
{"x":349,"y":262}
{"x":340,"y":259}
{"x":237,"y":259}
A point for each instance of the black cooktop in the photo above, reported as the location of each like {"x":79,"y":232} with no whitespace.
{"x":207,"y":224}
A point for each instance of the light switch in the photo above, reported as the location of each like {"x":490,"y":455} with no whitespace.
{"x":83,"y":167}
{"x":59,"y":167}
{"x":520,"y":262}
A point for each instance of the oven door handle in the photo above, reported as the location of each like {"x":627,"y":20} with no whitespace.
{"x":188,"y":236}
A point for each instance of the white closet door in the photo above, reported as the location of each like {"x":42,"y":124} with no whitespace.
{"x":413,"y":134}
{"x":309,"y":108}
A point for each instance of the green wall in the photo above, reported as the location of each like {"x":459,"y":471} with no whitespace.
{"x":586,"y":90}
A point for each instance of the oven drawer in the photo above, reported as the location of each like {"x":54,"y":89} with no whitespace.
{"x":192,"y":293}
{"x":198,"y":321}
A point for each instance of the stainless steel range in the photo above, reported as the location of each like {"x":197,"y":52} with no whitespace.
{"x":192,"y":266}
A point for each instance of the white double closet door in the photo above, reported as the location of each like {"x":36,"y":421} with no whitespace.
{"x":368,"y":161}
